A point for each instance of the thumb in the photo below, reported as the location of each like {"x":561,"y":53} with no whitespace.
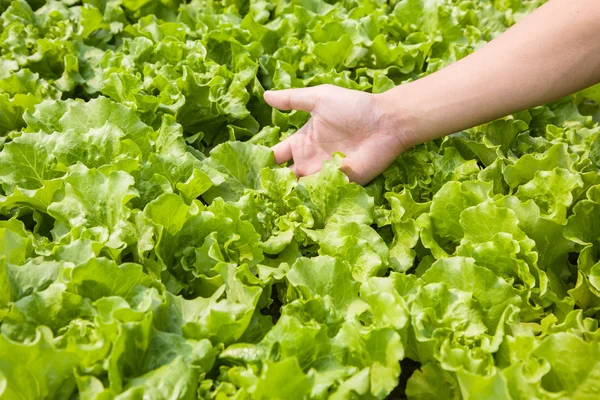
{"x":303,"y":99}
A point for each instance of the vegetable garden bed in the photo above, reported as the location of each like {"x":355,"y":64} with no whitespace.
{"x":150,"y":247}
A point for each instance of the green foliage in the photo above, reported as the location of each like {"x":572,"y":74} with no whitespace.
{"x":150,"y":247}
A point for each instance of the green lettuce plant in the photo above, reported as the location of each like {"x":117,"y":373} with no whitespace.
{"x":150,"y":246}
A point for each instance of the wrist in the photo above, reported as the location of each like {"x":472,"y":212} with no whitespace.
{"x":399,"y":118}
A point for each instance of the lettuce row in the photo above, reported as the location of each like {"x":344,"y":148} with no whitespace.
{"x":151,"y":247}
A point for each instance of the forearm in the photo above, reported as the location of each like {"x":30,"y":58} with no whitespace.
{"x":553,"y":52}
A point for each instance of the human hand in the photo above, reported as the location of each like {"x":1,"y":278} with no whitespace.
{"x":342,"y":120}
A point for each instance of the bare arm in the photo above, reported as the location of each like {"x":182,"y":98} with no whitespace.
{"x":553,"y":52}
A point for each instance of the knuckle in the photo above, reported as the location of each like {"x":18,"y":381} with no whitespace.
{"x":287,"y":101}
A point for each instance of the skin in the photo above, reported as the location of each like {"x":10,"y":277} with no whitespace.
{"x":553,"y":52}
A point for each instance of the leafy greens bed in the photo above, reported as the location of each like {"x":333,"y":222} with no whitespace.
{"x":151,"y":247}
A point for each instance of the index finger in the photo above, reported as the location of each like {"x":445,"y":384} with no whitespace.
{"x":303,"y":99}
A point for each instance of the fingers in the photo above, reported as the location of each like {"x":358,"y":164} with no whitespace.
{"x":306,"y":155}
{"x":354,"y":174}
{"x":294,"y":170}
{"x":303,"y":99}
{"x":283,"y":151}
{"x":362,"y":167}
{"x":307,"y":168}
